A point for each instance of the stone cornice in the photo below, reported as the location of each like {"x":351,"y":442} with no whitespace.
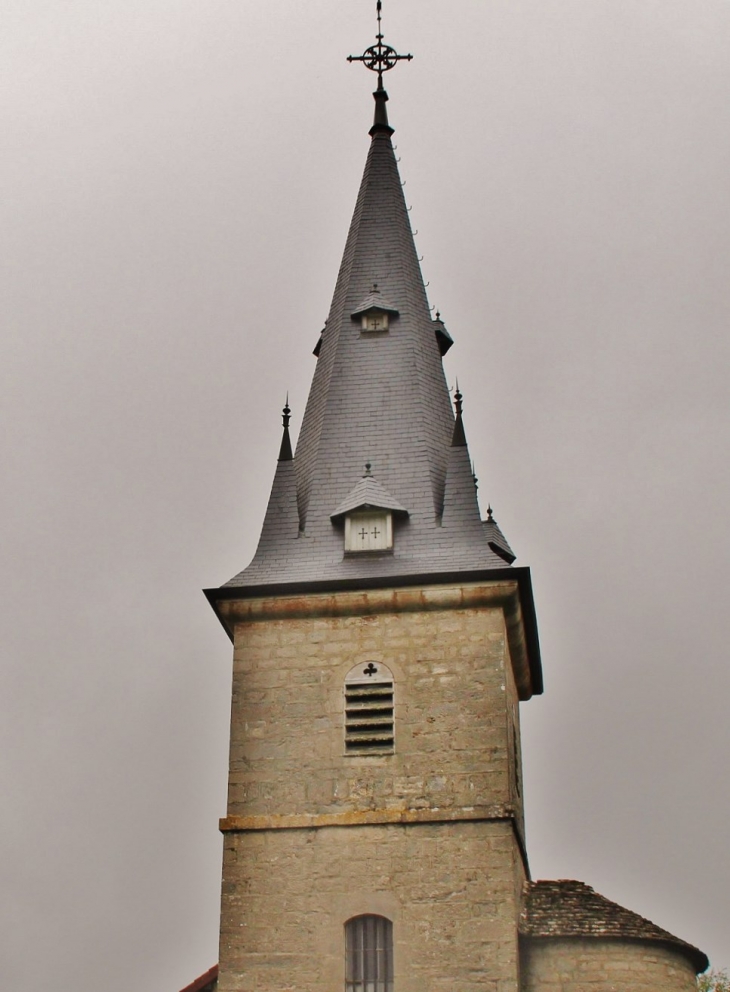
{"x":359,"y":818}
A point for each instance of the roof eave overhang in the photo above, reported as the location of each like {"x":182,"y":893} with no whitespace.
{"x":378,"y":308}
{"x":399,"y":511}
{"x":520,"y":575}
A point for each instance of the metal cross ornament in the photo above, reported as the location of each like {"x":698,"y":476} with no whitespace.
{"x":379,"y":58}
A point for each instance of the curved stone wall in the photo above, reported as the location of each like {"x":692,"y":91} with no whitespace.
{"x":601,"y":965}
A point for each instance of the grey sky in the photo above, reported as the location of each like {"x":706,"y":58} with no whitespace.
{"x":178,"y":180}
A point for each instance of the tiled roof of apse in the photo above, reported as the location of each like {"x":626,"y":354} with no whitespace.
{"x":566,"y":908}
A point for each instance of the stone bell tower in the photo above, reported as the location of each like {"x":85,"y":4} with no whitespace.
{"x":382,"y":643}
{"x":383,"y":640}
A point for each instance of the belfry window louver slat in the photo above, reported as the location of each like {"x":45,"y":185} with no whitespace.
{"x":369,"y":724}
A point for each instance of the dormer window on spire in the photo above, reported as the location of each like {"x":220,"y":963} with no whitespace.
{"x":374,"y":312}
{"x":368,"y":515}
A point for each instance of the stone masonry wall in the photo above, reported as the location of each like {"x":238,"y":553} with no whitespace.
{"x":452,"y":889}
{"x":599,"y":965}
{"x":448,"y":888}
{"x":455,"y":700}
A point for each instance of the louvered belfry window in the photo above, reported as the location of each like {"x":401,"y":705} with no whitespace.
{"x":369,"y":954}
{"x":369,"y":699}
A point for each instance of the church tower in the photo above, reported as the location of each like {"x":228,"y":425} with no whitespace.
{"x":382,"y":643}
{"x":383,"y":640}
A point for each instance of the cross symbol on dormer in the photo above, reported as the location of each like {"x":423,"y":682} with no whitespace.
{"x":363,"y":534}
{"x":376,"y":532}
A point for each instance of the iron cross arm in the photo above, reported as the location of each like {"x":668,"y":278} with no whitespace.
{"x":379,"y":58}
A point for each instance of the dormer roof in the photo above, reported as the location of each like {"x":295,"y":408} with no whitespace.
{"x":368,"y":494}
{"x":374,"y":301}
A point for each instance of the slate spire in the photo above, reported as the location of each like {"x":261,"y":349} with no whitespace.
{"x":461,"y":507}
{"x":280,"y":531}
{"x":392,"y":385}
{"x":378,"y":394}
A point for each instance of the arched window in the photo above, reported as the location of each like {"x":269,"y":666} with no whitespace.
{"x":369,"y":954}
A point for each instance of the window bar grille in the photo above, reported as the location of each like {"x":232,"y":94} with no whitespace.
{"x":369,"y":954}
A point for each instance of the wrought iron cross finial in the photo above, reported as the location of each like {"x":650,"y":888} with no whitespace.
{"x":379,"y":58}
